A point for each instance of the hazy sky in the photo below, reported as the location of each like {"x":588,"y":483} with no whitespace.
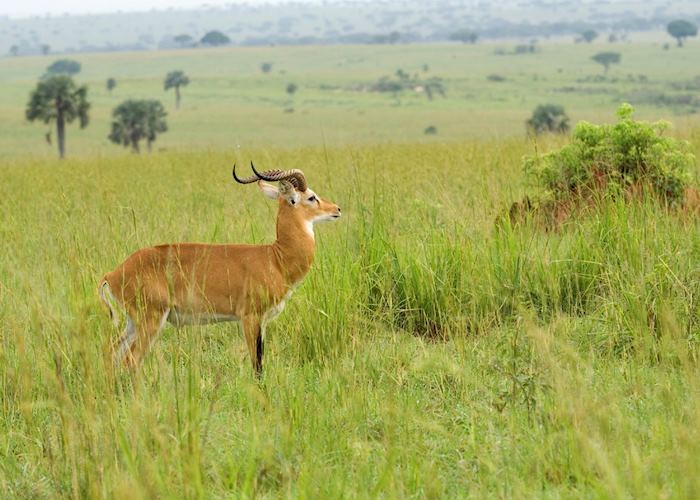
{"x":24,"y":8}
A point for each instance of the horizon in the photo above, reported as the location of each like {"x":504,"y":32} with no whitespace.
{"x":43,"y":8}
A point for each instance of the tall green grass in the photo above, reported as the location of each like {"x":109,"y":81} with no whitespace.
{"x":428,"y":353}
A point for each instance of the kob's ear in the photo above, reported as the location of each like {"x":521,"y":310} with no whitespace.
{"x":269,"y":190}
{"x":289,"y":193}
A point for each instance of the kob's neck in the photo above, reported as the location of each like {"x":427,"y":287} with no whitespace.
{"x":295,"y":244}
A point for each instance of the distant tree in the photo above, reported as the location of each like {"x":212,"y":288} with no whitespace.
{"x":58,"y":99}
{"x":137,"y":120}
{"x":64,"y":67}
{"x":292,"y":88}
{"x":266,"y":67}
{"x":680,"y":30}
{"x":525,"y":49}
{"x":386,"y":85}
{"x":606,"y":59}
{"x":391,"y":38}
{"x":612,"y":38}
{"x":183,"y":40}
{"x":426,"y":68}
{"x":464,"y":36}
{"x":45,"y":49}
{"x":433,"y":86}
{"x":548,"y":118}
{"x":215,"y":38}
{"x":14,"y":50}
{"x":589,"y":35}
{"x":175,"y":80}
{"x":111,"y":83}
{"x":402,"y":75}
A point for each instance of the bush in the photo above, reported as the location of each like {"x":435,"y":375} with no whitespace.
{"x":64,"y":67}
{"x":525,"y":49}
{"x":464,"y":36}
{"x":215,"y":38}
{"x":548,"y":118}
{"x":626,"y":156}
{"x":496,"y":78}
{"x":405,"y":82}
{"x":386,"y":85}
{"x":430,"y":130}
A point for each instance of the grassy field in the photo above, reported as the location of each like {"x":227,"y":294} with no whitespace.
{"x":570,"y":366}
{"x":427,"y":354}
{"x":231,"y":103}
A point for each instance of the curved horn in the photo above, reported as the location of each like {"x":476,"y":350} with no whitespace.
{"x":294,"y":176}
{"x":247,"y":180}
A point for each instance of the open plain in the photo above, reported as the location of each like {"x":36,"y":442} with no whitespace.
{"x":429,"y":353}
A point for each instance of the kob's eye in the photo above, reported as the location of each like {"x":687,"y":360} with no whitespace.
{"x":312,"y":198}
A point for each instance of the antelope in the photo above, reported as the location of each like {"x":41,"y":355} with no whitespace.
{"x":199,"y":283}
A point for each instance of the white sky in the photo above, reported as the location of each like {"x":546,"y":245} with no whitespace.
{"x":25,"y":8}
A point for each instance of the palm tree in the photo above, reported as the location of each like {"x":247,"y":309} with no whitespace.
{"x":135,"y":120}
{"x":59,"y":99}
{"x":176,"y":79}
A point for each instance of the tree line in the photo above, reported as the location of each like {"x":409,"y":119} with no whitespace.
{"x":679,"y":29}
{"x":58,"y":100}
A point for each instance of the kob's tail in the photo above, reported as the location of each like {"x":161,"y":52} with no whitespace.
{"x":110,"y":301}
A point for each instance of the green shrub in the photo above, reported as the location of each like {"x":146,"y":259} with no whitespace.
{"x":548,"y":118}
{"x":64,"y":67}
{"x":496,"y":78}
{"x":620,"y":156}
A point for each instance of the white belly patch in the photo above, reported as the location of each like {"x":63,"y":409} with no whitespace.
{"x":184,"y":318}
{"x":179,"y":318}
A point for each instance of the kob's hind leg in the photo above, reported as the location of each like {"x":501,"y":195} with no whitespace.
{"x":147,"y":329}
{"x":123,"y":345}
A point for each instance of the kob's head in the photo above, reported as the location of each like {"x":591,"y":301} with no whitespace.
{"x":293,"y":192}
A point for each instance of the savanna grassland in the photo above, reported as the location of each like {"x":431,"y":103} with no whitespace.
{"x":429,"y":353}
{"x":231,"y":103}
